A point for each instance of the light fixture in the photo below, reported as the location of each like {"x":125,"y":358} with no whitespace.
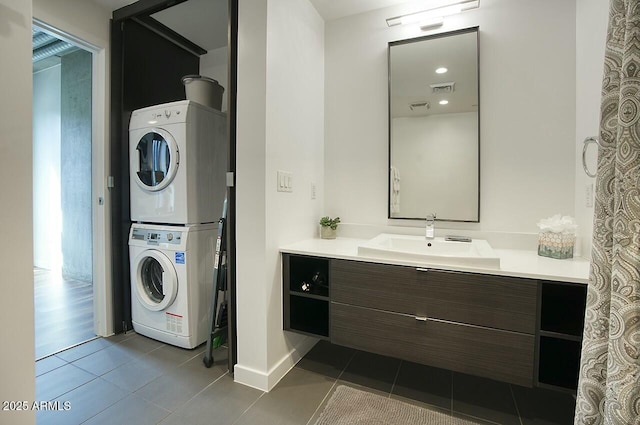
{"x":433,"y":15}
{"x":444,"y":102}
{"x":430,"y":24}
{"x":441,"y":70}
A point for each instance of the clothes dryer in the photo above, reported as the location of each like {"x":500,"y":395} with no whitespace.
{"x":172,"y":281}
{"x":177,"y":156}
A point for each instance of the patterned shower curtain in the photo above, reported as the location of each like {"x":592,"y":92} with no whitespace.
{"x":609,"y":386}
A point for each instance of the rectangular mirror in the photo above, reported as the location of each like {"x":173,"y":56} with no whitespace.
{"x":434,"y":127}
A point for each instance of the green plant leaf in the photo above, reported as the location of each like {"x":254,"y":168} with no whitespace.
{"x":329,"y":222}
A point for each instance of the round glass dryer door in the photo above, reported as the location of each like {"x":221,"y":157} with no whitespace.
{"x":156,"y":280}
{"x":157,"y":160}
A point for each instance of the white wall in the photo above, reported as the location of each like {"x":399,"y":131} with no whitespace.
{"x":17,"y":356}
{"x":86,"y":20}
{"x":280,"y":127}
{"x":215,"y":65}
{"x":47,"y":213}
{"x":440,"y":170}
{"x":250,"y":191}
{"x":591,"y":33}
{"x":295,"y":143}
{"x":527,"y":102}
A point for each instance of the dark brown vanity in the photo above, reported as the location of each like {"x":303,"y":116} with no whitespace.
{"x":518,"y":330}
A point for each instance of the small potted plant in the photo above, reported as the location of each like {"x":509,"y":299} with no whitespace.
{"x":328,"y":227}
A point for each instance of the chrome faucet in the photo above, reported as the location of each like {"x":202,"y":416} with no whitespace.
{"x":430,"y":230}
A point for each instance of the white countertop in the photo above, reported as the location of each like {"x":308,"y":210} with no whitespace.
{"x":513,"y":262}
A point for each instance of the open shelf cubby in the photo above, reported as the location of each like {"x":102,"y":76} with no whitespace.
{"x":309,"y":275}
{"x":559,"y":362}
{"x":562,"y":313}
{"x":306,"y":294}
{"x":309,"y":315}
{"x":563,"y":307}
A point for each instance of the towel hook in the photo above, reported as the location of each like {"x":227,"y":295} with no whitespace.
{"x":587,"y":142}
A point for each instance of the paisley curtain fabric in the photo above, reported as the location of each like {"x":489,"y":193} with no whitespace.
{"x":609,"y":385}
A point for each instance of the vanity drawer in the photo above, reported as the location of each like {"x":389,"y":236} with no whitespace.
{"x":485,"y":300}
{"x":491,"y":353}
{"x":493,"y":301}
{"x":381,"y":286}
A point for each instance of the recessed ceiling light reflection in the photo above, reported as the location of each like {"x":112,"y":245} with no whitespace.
{"x":441,"y":70}
{"x":443,"y":102}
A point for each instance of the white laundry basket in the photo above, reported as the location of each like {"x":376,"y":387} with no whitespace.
{"x":203,"y":90}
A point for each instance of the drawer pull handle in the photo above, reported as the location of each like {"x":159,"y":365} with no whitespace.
{"x":421,"y":318}
{"x":421,"y":269}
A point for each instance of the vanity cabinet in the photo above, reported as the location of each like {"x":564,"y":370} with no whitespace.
{"x":516,"y":330}
{"x":478,"y":324}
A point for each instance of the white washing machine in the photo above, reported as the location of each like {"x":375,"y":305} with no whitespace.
{"x":172,"y":281}
{"x":177,"y":157}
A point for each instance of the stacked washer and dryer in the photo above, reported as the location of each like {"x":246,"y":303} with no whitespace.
{"x":177,"y":157}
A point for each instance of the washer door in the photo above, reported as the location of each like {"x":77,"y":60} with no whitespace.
{"x":157,"y":160}
{"x":156,"y":280}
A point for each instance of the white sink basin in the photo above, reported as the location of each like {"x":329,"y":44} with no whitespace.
{"x":477,"y":253}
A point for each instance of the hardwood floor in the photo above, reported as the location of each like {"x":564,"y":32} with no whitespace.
{"x":63,"y":312}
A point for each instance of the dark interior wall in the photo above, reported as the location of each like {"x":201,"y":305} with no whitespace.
{"x":146,"y":70}
{"x":153,"y":68}
{"x":75,"y":165}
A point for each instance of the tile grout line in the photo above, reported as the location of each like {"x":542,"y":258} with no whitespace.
{"x":51,"y":370}
{"x":248,"y":408}
{"x":78,"y":367}
{"x":97,"y":413}
{"x":335,"y":383}
{"x":395,"y":379}
{"x":484,"y":421}
{"x":346,"y":366}
{"x":171,"y":412}
{"x":71,"y":347}
{"x":112,"y":344}
{"x":74,"y":388}
{"x":515,"y":403}
{"x":191,"y":358}
{"x":81,"y":357}
{"x":165,"y":374}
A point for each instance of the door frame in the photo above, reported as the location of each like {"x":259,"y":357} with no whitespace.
{"x":100,"y":199}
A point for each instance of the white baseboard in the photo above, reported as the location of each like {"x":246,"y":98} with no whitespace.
{"x":265,"y":381}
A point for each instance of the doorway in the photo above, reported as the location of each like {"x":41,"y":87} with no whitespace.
{"x":62,"y":193}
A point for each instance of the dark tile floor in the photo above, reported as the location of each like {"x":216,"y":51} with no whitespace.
{"x":130,"y":379}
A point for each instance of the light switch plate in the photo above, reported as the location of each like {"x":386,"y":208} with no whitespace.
{"x":284,"y":181}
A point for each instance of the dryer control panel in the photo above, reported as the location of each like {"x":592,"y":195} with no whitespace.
{"x":162,"y":115}
{"x":155,"y":237}
{"x":166,"y":116}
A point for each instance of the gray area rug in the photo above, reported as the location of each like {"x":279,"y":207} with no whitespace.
{"x":349,"y":406}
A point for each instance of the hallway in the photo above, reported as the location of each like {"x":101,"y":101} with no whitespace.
{"x":63,"y":312}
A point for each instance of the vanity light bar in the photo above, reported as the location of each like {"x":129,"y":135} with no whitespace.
{"x":434,"y":15}
{"x":431,"y":23}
